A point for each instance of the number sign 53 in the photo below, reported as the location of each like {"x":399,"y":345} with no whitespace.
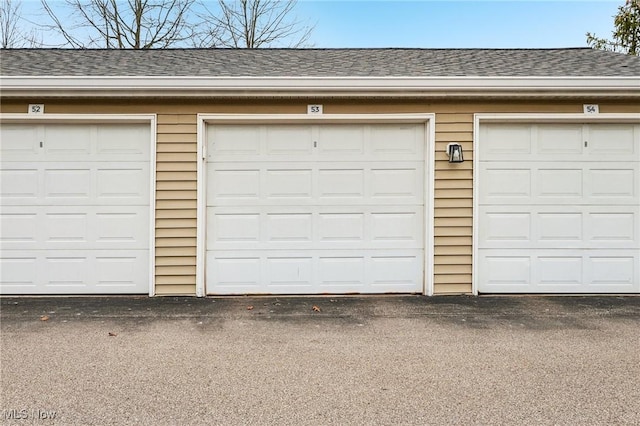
{"x":314,"y":109}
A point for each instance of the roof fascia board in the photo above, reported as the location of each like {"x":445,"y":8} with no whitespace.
{"x":85,"y":86}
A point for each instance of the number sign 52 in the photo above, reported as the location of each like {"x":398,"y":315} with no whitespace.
{"x":36,"y":108}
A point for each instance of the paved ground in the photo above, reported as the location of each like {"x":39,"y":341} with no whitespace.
{"x":358,"y":360}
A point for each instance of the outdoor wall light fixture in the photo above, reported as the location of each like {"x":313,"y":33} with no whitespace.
{"x":454,"y":151}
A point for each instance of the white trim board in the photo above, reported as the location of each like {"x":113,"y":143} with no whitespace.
{"x":151,"y":119}
{"x":77,"y":118}
{"x":427,"y":119}
{"x":198,"y":87}
{"x":523,"y":118}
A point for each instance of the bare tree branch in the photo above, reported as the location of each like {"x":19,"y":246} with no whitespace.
{"x":9,"y":17}
{"x":12,"y":32}
{"x":131,"y":24}
{"x":253,"y":24}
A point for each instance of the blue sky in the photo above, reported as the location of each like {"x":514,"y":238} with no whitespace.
{"x":448,"y":24}
{"x":433,"y":24}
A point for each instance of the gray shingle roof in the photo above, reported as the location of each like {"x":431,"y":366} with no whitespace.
{"x":572,"y":62}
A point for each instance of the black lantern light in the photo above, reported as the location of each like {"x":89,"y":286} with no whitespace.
{"x":454,"y":151}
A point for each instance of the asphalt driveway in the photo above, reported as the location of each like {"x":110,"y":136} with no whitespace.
{"x":320,"y":360}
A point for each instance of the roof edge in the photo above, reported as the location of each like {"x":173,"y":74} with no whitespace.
{"x":194,"y":87}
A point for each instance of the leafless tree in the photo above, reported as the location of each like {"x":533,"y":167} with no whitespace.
{"x":9,"y":17}
{"x":12,"y":31}
{"x":253,"y":24}
{"x":118,"y":24}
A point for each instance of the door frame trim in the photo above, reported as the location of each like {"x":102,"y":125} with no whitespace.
{"x":532,"y":118}
{"x":428,"y":119}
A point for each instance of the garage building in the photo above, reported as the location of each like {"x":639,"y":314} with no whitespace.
{"x":319,"y":171}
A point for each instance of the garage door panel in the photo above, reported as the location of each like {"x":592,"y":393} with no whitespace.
{"x":227,"y":142}
{"x":341,"y":183}
{"x":289,"y":272}
{"x":315,"y":208}
{"x":245,"y":184}
{"x":73,"y":227}
{"x":559,"y":227}
{"x":19,"y":142}
{"x":234,"y":274}
{"x":61,"y":228}
{"x":617,"y":272}
{"x":345,"y":141}
{"x":340,"y":227}
{"x":18,"y":272}
{"x":521,"y":142}
{"x":120,"y":184}
{"x":75,"y":143}
{"x":123,"y":143}
{"x":396,"y":227}
{"x":614,"y":184}
{"x":506,"y":141}
{"x":395,"y":141}
{"x":74,"y":213}
{"x":559,"y":208}
{"x":396,"y":273}
{"x":314,"y":271}
{"x":70,"y":184}
{"x":289,"y":140}
{"x":116,"y":142}
{"x":545,"y":183}
{"x":342,"y":274}
{"x":399,"y":183}
{"x":550,"y":227}
{"x":282,"y":183}
{"x":18,"y":228}
{"x":121,"y":271}
{"x":233,"y":186}
{"x":125,"y":227}
{"x":559,"y":183}
{"x":73,"y":272}
{"x":288,"y":227}
{"x":619,"y":142}
{"x":505,"y":185}
{"x":559,"y":271}
{"x":498,"y":227}
{"x":233,"y":228}
{"x":67,"y":270}
{"x":321,"y":143}
{"x":504,"y":272}
{"x":615,"y":228}
{"x":552,"y":141}
{"x":19,"y":184}
{"x":68,"y":141}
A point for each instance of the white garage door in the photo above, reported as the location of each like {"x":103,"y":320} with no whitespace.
{"x":75,"y":208}
{"x":331,"y":208}
{"x":559,"y":208}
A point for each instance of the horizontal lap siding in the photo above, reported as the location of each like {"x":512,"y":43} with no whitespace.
{"x":453,"y":190}
{"x":176,"y":206}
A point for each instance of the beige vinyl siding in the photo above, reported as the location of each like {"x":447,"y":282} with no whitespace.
{"x":453,"y":188}
{"x":176,"y":185}
{"x":176,"y":195}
